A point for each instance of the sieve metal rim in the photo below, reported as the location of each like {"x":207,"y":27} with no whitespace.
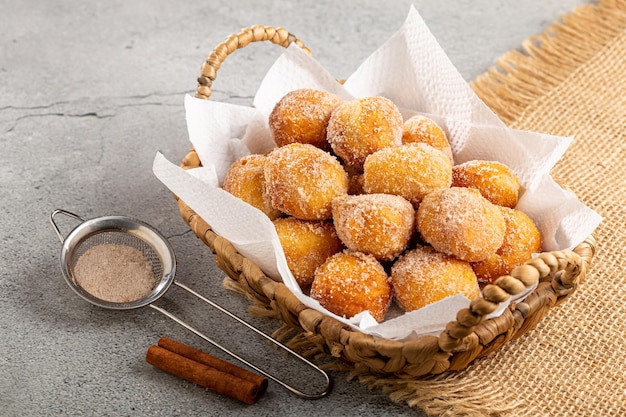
{"x":121,"y":224}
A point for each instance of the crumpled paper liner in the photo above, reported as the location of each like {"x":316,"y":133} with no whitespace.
{"x":413,"y":71}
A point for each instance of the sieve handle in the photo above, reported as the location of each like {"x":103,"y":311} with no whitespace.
{"x":56,"y":227}
{"x":294,"y":390}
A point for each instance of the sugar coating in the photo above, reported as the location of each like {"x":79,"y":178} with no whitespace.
{"x":378,"y":224}
{"x":521,"y":240}
{"x":301,"y":180}
{"x":421,"y":129}
{"x":360,"y":127}
{"x":460,"y":222}
{"x":307,"y":244}
{"x":302,"y":116}
{"x":411,"y":171}
{"x":245,"y":180}
{"x":351,"y":282}
{"x":495,"y":181}
{"x":385,"y":162}
{"x":423,"y":276}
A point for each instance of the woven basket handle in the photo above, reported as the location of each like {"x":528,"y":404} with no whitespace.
{"x":236,"y":41}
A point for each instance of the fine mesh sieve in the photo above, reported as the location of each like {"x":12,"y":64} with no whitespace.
{"x":123,"y":231}
{"x":117,"y":237}
{"x":128,"y":232}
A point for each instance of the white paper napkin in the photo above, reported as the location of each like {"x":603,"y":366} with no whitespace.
{"x":413,"y":71}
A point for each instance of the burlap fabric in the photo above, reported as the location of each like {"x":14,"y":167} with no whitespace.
{"x":570,"y":80}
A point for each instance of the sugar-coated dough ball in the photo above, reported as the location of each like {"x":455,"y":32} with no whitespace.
{"x":460,"y":222}
{"x":378,"y":224}
{"x":421,"y":129}
{"x":360,"y":127}
{"x":411,"y":171}
{"x":423,"y":276}
{"x":349,"y":283}
{"x":307,"y":244}
{"x":245,"y":180}
{"x":302,"y":180}
{"x":495,"y":181}
{"x":521,"y":240}
{"x":302,"y":116}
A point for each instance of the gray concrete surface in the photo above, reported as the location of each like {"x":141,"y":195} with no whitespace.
{"x":90,"y":91}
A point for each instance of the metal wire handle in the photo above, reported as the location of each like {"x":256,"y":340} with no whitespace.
{"x":294,"y":390}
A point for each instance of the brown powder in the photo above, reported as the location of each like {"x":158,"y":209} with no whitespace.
{"x":116,"y":273}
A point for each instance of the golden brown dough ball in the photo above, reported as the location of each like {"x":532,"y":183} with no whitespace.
{"x":378,"y":224}
{"x":462,"y":223}
{"x":349,"y":283}
{"x":521,"y":240}
{"x":495,"y":181}
{"x":411,"y":171}
{"x":302,"y":180}
{"x":423,"y":276}
{"x":245,"y":179}
{"x":302,"y":116}
{"x":421,"y":129}
{"x":360,"y":127}
{"x":307,"y":244}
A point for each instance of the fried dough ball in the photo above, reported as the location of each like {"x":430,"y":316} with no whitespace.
{"x":307,"y":244}
{"x":411,"y":171}
{"x":521,"y":240}
{"x":421,"y":129}
{"x":245,"y":180}
{"x":423,"y":276}
{"x":495,"y":181}
{"x":462,"y":223}
{"x":360,"y":127}
{"x":302,"y":180}
{"x":350,"y":282}
{"x":302,"y":116}
{"x":378,"y":224}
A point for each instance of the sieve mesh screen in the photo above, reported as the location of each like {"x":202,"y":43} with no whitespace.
{"x":117,"y":237}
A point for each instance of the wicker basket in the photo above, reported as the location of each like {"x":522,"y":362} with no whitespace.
{"x":463,"y":340}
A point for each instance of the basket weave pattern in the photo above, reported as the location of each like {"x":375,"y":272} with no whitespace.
{"x":470,"y":336}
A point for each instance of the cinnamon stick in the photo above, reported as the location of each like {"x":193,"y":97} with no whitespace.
{"x":201,"y":374}
{"x":212,"y":361}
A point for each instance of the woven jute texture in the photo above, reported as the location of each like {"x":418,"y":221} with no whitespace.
{"x":570,"y":80}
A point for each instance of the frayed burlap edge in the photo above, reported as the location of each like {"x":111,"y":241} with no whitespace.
{"x":516,"y":81}
{"x":519,"y":77}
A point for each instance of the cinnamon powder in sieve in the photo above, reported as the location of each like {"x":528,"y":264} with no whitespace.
{"x":116,"y":273}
